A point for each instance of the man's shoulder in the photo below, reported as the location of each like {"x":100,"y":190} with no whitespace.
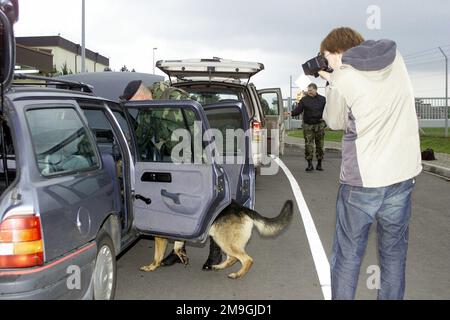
{"x":343,"y":74}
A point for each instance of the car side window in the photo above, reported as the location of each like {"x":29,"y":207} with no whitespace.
{"x":269,"y":102}
{"x":120,"y":116}
{"x":61,"y":142}
{"x":122,"y":120}
{"x":103,"y":132}
{"x":154,"y":128}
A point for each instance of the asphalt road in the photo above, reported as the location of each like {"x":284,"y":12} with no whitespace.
{"x":283,"y":266}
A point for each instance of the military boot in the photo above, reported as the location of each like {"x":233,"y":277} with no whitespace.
{"x":215,"y":255}
{"x":173,"y":258}
{"x":319,"y":165}
{"x":310,"y":166}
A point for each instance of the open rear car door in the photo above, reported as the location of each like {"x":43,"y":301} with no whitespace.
{"x":230,"y":120}
{"x":173,"y":196}
{"x":272,"y":104}
{"x":210,"y":69}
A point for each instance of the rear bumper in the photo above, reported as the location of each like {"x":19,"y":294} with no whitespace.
{"x":67,"y":278}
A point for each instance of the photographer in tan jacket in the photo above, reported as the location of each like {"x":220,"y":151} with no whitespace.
{"x":370,"y":97}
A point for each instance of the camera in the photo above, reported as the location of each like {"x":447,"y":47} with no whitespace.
{"x":316,"y":64}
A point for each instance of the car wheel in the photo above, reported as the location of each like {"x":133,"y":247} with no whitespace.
{"x":105,"y":275}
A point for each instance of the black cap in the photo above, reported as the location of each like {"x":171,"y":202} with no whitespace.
{"x":131,"y":90}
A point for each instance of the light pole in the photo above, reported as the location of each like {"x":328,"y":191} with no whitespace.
{"x":290,"y":100}
{"x":154,"y":49}
{"x":83,"y":36}
{"x":446,"y":91}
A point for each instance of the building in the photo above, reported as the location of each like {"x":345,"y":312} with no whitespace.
{"x":32,"y":59}
{"x":35,"y":52}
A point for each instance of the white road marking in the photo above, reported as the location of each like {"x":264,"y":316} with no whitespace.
{"x":317,"y":250}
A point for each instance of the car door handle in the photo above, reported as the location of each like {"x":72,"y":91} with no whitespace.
{"x":156,"y":177}
{"x":147,"y":201}
{"x":174,"y":196}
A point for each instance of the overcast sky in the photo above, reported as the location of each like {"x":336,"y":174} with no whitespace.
{"x":282,"y":34}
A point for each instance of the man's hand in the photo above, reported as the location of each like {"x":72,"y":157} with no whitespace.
{"x":325,"y":75}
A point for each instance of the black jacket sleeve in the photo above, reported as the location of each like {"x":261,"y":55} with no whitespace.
{"x":299,"y":110}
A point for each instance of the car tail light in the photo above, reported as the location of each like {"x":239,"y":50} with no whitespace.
{"x":21,"y":243}
{"x":256,"y":125}
{"x":257,"y":133}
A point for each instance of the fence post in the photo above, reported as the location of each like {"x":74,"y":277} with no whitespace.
{"x":446,"y":91}
{"x":290,"y":102}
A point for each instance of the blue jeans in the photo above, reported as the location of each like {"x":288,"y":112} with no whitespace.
{"x":356,"y":210}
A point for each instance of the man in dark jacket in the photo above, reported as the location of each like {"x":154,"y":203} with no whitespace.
{"x":312,"y":107}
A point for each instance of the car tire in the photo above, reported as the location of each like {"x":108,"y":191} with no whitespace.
{"x":104,"y":277}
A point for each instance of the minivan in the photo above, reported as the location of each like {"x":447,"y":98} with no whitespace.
{"x":217,"y":79}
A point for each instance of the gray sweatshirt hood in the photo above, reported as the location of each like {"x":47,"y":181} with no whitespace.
{"x":371,"y":55}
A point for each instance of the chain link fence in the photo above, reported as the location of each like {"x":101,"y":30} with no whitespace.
{"x":430,"y":111}
{"x":431,"y":108}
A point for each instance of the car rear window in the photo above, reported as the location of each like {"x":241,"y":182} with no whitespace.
{"x":212,"y":93}
{"x":205,"y":98}
{"x":61,"y":142}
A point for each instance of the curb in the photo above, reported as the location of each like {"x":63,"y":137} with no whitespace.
{"x":439,"y":170}
{"x":428,"y":167}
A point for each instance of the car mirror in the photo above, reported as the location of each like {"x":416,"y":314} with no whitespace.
{"x":8,"y":15}
{"x":11,"y":9}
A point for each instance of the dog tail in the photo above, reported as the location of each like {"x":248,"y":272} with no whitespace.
{"x":273,"y":226}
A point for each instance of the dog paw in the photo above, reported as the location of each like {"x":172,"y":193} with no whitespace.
{"x":234,"y":276}
{"x":184,"y":259}
{"x":149,"y":268}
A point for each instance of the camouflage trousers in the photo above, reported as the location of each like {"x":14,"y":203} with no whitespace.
{"x":314,"y":134}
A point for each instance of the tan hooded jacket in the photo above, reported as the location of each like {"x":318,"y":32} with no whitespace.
{"x":371,"y":98}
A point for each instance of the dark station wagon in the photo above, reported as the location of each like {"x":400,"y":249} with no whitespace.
{"x":77,"y":186}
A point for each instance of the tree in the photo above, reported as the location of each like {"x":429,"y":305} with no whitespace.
{"x":124,"y":69}
{"x":65,"y":69}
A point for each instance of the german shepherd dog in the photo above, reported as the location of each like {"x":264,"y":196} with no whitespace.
{"x":231,"y":231}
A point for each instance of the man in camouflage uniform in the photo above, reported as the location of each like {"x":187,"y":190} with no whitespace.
{"x":154,"y":129}
{"x":312,"y":107}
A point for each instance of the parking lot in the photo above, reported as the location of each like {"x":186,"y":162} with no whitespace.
{"x":284,"y":267}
